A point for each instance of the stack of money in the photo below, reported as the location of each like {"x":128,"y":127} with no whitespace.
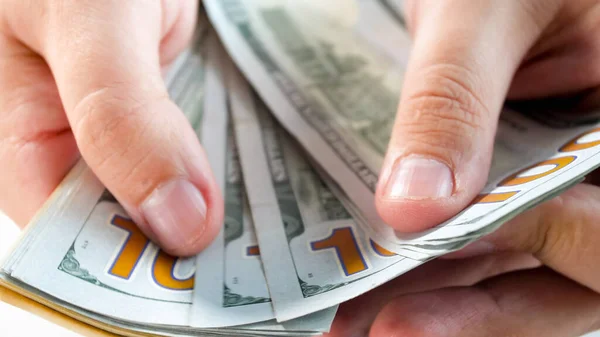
{"x":294,"y":107}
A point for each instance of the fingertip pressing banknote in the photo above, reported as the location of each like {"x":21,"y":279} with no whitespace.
{"x":295,"y":126}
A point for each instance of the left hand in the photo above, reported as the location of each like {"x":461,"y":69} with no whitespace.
{"x":84,"y":79}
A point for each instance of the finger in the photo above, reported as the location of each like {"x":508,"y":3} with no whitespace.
{"x":567,"y":72}
{"x":562,"y":233}
{"x":135,"y":139}
{"x":530,"y":303}
{"x":37,"y":147}
{"x":440,"y":151}
{"x":355,"y":317}
{"x":564,"y":61}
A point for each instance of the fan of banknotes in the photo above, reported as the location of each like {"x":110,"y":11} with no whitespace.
{"x":294,"y":107}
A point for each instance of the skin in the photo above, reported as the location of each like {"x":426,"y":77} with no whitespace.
{"x":84,"y":80}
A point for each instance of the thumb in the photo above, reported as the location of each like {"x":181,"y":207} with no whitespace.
{"x":463,"y":59}
{"x":106,"y":64}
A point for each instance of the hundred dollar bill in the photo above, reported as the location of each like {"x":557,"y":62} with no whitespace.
{"x":338,"y":98}
{"x":314,"y":254}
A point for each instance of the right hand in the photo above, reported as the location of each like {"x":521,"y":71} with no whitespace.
{"x":83,"y":78}
{"x":467,"y":58}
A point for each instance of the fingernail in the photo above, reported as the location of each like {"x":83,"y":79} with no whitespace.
{"x":176,"y":213}
{"x":420,"y":178}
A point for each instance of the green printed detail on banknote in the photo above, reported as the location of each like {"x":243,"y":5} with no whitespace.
{"x":71,"y":266}
{"x":292,"y":219}
{"x":360,"y":99}
{"x":364,"y":120}
{"x":234,"y":300}
{"x":234,"y":197}
{"x":235,"y":205}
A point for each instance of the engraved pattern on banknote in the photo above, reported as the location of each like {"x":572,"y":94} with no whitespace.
{"x":231,"y":299}
{"x":360,"y":99}
{"x":330,"y":207}
{"x":309,"y":111}
{"x":234,"y":227}
{"x":309,"y":290}
{"x":72,"y":266}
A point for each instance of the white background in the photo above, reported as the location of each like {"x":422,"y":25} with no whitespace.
{"x":15,"y":322}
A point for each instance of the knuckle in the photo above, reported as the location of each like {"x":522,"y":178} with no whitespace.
{"x":106,"y":120}
{"x":112,"y":132}
{"x":439,"y":132}
{"x":446,"y":114}
{"x":441,"y":142}
{"x":454,"y":89}
{"x":549,"y":239}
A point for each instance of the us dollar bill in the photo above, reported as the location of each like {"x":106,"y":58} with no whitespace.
{"x":314,"y":254}
{"x":338,"y":97}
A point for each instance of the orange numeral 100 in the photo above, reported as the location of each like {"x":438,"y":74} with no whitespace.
{"x":558,"y":163}
{"x":132,"y":252}
{"x":344,"y":243}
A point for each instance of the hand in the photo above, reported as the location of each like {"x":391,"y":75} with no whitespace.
{"x":468,"y":57}
{"x":81,"y":77}
{"x":354,"y":318}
